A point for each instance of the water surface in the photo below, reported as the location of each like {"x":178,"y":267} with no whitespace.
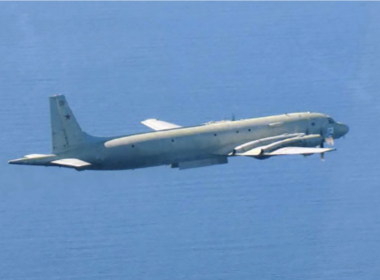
{"x":189,"y":63}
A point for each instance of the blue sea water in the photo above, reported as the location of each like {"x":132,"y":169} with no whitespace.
{"x":189,"y":63}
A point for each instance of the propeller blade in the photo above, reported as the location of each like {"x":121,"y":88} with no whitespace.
{"x":330,"y":141}
{"x":322,"y":145}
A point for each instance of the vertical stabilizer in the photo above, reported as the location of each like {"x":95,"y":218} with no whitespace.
{"x":65,"y":130}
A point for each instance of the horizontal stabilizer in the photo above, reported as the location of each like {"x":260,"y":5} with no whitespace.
{"x":156,"y":124}
{"x":71,"y":162}
{"x":38,"y":156}
{"x":33,"y":159}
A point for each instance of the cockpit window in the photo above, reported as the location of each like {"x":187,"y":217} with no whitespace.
{"x":330,"y":120}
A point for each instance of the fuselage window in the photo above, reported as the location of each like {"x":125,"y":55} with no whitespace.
{"x":331,"y":121}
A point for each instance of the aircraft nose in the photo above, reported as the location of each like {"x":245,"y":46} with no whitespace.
{"x":341,"y":130}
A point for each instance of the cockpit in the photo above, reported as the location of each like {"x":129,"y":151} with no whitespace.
{"x":331,"y":120}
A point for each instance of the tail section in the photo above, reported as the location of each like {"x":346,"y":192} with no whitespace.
{"x":65,"y":130}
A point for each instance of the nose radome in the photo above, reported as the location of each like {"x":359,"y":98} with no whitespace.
{"x":342,"y":130}
{"x":346,"y":129}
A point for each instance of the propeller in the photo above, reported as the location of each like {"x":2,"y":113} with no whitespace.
{"x":322,"y":146}
{"x":329,"y":140}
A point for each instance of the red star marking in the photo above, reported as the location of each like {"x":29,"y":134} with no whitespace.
{"x":67,"y":117}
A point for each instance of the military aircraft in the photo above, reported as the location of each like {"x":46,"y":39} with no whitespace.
{"x":184,"y":147}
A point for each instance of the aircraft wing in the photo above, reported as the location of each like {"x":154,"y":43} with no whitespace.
{"x":156,"y":124}
{"x":287,"y":151}
{"x":71,"y":162}
{"x":300,"y":151}
{"x":287,"y":144}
